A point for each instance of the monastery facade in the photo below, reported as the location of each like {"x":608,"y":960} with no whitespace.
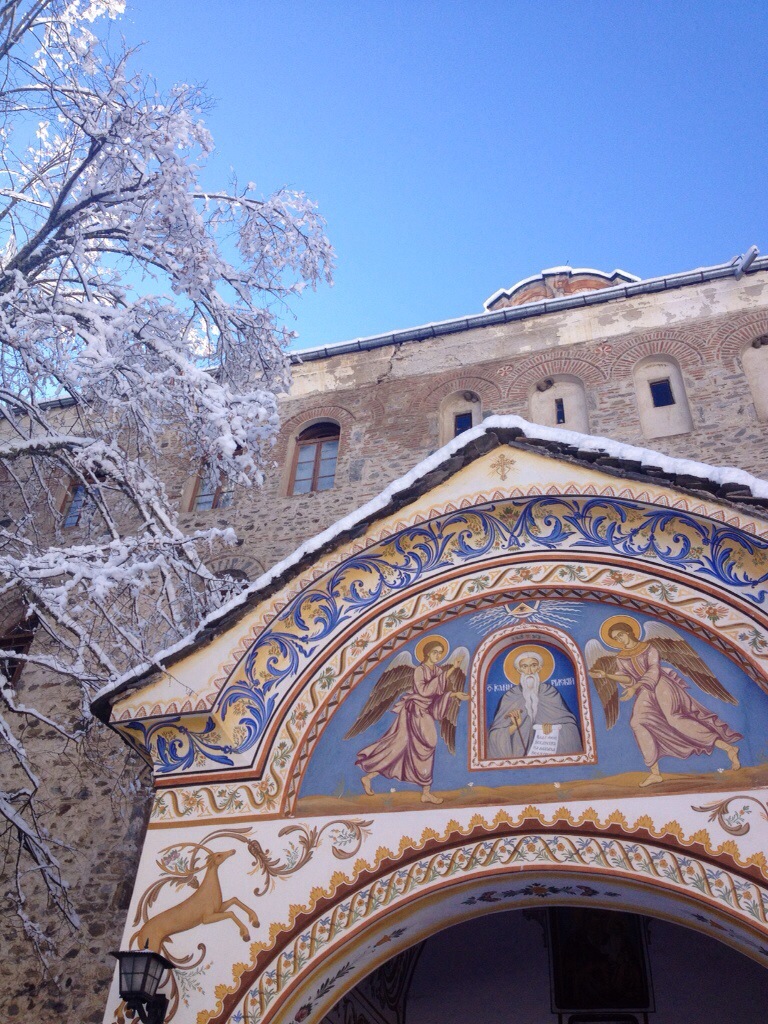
{"x":485,"y":732}
{"x":569,"y":348}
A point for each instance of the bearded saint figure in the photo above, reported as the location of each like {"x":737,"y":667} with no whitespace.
{"x":645,"y":666}
{"x":419,"y":697}
{"x":531,"y":706}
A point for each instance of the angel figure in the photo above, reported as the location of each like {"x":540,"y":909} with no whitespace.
{"x":419,"y":697}
{"x":666,"y":720}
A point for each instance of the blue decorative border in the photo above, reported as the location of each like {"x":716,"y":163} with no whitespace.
{"x":690,"y":544}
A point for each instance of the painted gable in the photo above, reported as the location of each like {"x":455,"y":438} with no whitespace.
{"x":517,"y":549}
{"x":520,"y":678}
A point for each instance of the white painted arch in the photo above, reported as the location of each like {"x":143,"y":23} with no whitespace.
{"x":351,"y":934}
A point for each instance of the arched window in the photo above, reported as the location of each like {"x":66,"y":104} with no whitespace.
{"x":459,"y":411}
{"x":314,"y":461}
{"x":78,"y":501}
{"x":661,"y":399}
{"x":15,"y":641}
{"x":755,"y":363}
{"x":560,"y":401}
{"x":231,"y":582}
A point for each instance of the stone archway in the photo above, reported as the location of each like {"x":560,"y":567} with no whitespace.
{"x":560,"y":964}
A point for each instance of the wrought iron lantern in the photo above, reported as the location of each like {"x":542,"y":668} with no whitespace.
{"x":140,"y":974}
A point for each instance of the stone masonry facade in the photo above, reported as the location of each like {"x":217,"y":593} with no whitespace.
{"x":387,"y":401}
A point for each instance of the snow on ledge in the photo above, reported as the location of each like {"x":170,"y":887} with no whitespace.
{"x":584,"y":442}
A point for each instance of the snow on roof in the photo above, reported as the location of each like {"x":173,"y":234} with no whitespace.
{"x":510,"y":314}
{"x":728,"y":477}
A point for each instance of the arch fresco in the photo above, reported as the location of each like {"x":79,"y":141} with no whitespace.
{"x":727,"y":562}
{"x":438,"y":879}
{"x":256,"y":781}
{"x":323,"y":768}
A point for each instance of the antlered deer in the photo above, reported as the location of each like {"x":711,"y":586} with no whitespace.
{"x":204,"y":906}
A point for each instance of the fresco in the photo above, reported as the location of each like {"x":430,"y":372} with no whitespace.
{"x":232,"y":730}
{"x":548,"y":698}
{"x":531,"y":700}
{"x":532,"y":719}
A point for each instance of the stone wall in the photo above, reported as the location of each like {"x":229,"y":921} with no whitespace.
{"x":95,"y":803}
{"x":387,"y":401}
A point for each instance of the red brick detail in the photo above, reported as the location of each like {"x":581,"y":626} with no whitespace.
{"x":686,"y":348}
{"x":488,"y":392}
{"x":523,"y":376}
{"x":307,"y":418}
{"x":731,"y":338}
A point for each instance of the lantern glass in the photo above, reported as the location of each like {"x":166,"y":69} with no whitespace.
{"x":140,"y":973}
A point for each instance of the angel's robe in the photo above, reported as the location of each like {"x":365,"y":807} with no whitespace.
{"x":666,"y":720}
{"x":551,"y":709}
{"x":406,"y":751}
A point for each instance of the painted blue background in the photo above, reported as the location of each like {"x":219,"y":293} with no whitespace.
{"x":332,"y":769}
{"x":562,"y":673}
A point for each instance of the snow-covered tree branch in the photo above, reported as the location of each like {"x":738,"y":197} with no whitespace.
{"x":137,"y":309}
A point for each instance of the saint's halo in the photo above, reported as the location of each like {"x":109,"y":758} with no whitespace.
{"x":433,"y":638}
{"x":547,"y":662}
{"x":632,"y":626}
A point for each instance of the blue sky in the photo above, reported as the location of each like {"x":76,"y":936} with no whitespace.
{"x":455,"y":148}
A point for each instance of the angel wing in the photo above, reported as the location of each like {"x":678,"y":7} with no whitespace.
{"x":679,"y":653}
{"x":600,"y":660}
{"x":456,"y":675}
{"x":397,"y":679}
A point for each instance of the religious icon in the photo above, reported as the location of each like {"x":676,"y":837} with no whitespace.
{"x":599,"y":962}
{"x":532,"y":719}
{"x":419,"y":697}
{"x":648,"y":664}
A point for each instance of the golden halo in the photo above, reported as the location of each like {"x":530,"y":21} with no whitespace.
{"x":433,"y":638}
{"x":626,"y":620}
{"x":547,"y":662}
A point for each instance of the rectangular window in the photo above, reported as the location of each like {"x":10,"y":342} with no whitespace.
{"x":77,"y":502}
{"x":559,"y":410}
{"x":326,"y":465}
{"x":305,"y":469}
{"x":213,"y":491}
{"x":462,"y":421}
{"x":661,"y":392}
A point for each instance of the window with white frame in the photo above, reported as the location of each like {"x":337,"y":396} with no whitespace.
{"x":559,"y":401}
{"x":662,"y":402}
{"x":755,"y":363}
{"x":459,"y":411}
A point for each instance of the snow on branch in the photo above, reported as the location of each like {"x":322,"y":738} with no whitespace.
{"x":139,"y":323}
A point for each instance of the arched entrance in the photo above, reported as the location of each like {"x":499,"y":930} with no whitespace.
{"x":561,"y":965}
{"x":352,"y":930}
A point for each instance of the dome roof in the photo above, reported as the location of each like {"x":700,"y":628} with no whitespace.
{"x":555,"y":283}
